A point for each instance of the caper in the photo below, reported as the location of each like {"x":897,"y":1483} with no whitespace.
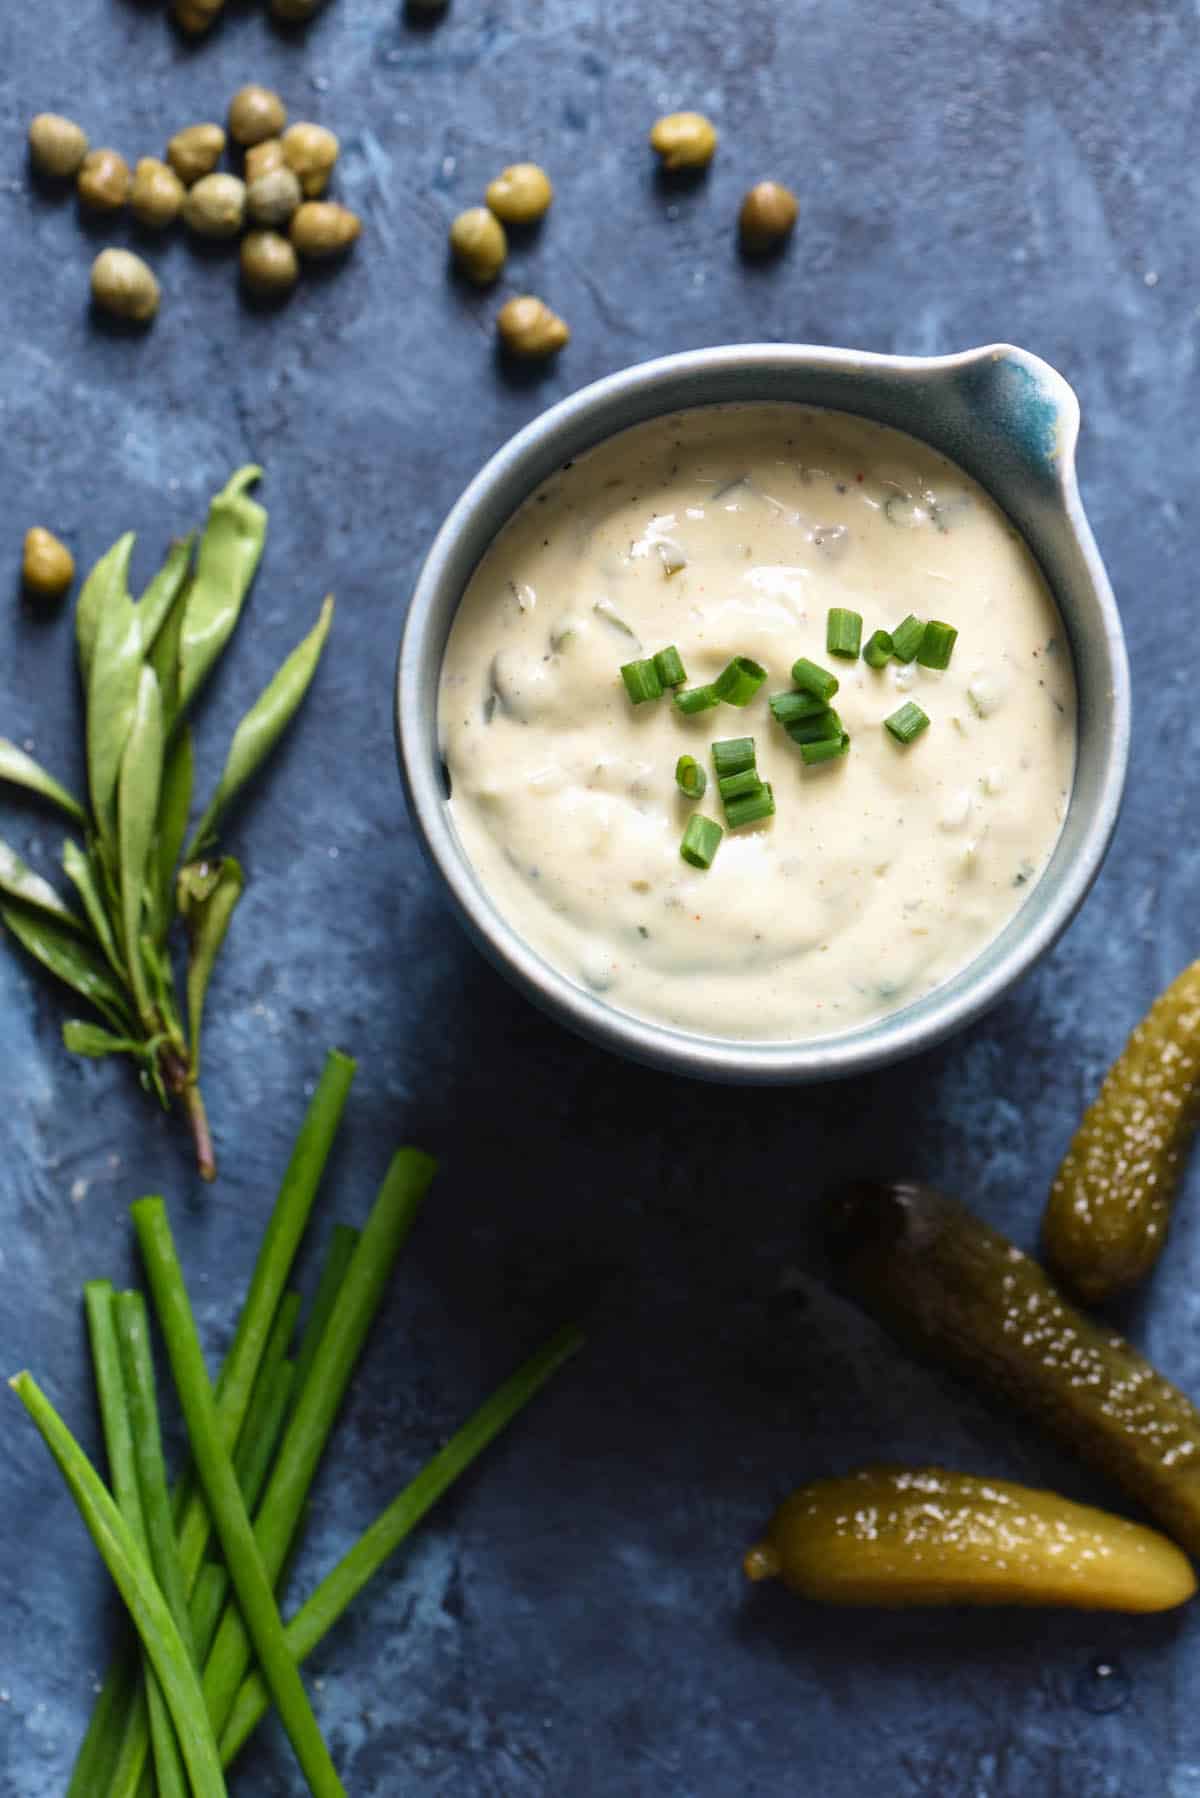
{"x":767,"y":216}
{"x":322,"y":228}
{"x":262,"y":158}
{"x":310,"y":152}
{"x":520,"y":194}
{"x":104,"y":180}
{"x":527,"y":327}
{"x":48,"y":567}
{"x":255,"y":113}
{"x":125,"y":286}
{"x":195,"y":152}
{"x":684,"y":140}
{"x":478,"y":244}
{"x":269,"y":265}
{"x":197,"y":16}
{"x":57,"y":145}
{"x":157,"y":194}
{"x":272,"y":198}
{"x":216,"y":206}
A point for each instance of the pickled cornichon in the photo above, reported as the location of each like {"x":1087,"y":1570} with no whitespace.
{"x":946,"y":1283}
{"x":900,"y":1536}
{"x":1109,"y":1209}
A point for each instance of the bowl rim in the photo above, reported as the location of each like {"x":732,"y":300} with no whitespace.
{"x":937,"y":1014}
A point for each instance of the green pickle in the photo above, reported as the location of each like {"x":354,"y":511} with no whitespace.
{"x":1109,"y":1208}
{"x":945,"y":1283}
{"x":901,"y":1536}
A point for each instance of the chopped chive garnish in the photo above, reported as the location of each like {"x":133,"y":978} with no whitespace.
{"x":879,"y":650}
{"x":739,"y":681}
{"x":790,"y":708}
{"x":752,"y":808}
{"x":906,"y":638}
{"x":811,"y":679}
{"x":736,"y":786}
{"x":843,"y":633}
{"x":907,"y":723}
{"x":690,"y":777}
{"x":937,"y":644}
{"x":696,"y":699}
{"x":825,"y":727}
{"x":700,"y":841}
{"x":733,"y":755}
{"x":641,"y":681}
{"x":827,"y":751}
{"x":668,"y":665}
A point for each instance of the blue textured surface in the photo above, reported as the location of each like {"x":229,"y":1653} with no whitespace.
{"x":574,"y":1621}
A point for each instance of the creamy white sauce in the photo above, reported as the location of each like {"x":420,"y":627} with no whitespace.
{"x":731,"y":531}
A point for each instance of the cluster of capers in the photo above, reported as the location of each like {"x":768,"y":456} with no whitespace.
{"x":520,"y":195}
{"x":198,"y":16}
{"x":276,"y":201}
{"x":687,"y":141}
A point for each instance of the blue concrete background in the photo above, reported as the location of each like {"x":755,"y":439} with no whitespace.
{"x":574,"y":1619}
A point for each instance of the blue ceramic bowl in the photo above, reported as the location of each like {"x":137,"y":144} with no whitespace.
{"x":1007,"y":418}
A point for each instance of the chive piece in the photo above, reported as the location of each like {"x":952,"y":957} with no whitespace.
{"x":879,"y":650}
{"x":752,"y":808}
{"x":343,"y":1241}
{"x":739,"y":681}
{"x":937,"y":644}
{"x":843,"y":633}
{"x":814,"y":680}
{"x":120,"y":1426}
{"x":138,"y":1587}
{"x":208,"y":1599}
{"x":235,"y":1388}
{"x":247,"y":1457}
{"x":736,"y":786}
{"x":641,"y":681}
{"x":701,"y":840}
{"x":96,"y":1759}
{"x":690,"y":777}
{"x":668,"y":665}
{"x":907,"y":723}
{"x":317,"y":1616}
{"x":822,"y":729}
{"x":696,"y":699}
{"x":733,"y":755}
{"x":829,"y":750}
{"x":906,"y":638}
{"x":316,"y":1406}
{"x":251,"y":1582}
{"x":792,"y":708}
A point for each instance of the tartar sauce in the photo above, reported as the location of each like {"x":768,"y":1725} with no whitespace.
{"x":731,"y":531}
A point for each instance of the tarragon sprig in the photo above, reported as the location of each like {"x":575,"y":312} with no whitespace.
{"x":142,"y":664}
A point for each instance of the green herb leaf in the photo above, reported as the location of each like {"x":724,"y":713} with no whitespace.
{"x":108,"y":582}
{"x":264,"y":724}
{"x":175,"y":803}
{"x":82,"y":874}
{"x":93,"y":1040}
{"x":154,"y":607}
{"x":20,"y":882}
{"x":164,"y":659}
{"x":63,"y":953}
{"x":112,"y":699}
{"x":208,"y":894}
{"x":137,"y":811}
{"x":20,"y":770}
{"x":229,"y":554}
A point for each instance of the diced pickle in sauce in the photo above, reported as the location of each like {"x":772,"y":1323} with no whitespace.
{"x":944,"y":1282}
{"x":1110,"y":1206}
{"x":900,"y":1536}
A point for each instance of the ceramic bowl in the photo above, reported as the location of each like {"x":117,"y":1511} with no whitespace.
{"x":1009,"y":420}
